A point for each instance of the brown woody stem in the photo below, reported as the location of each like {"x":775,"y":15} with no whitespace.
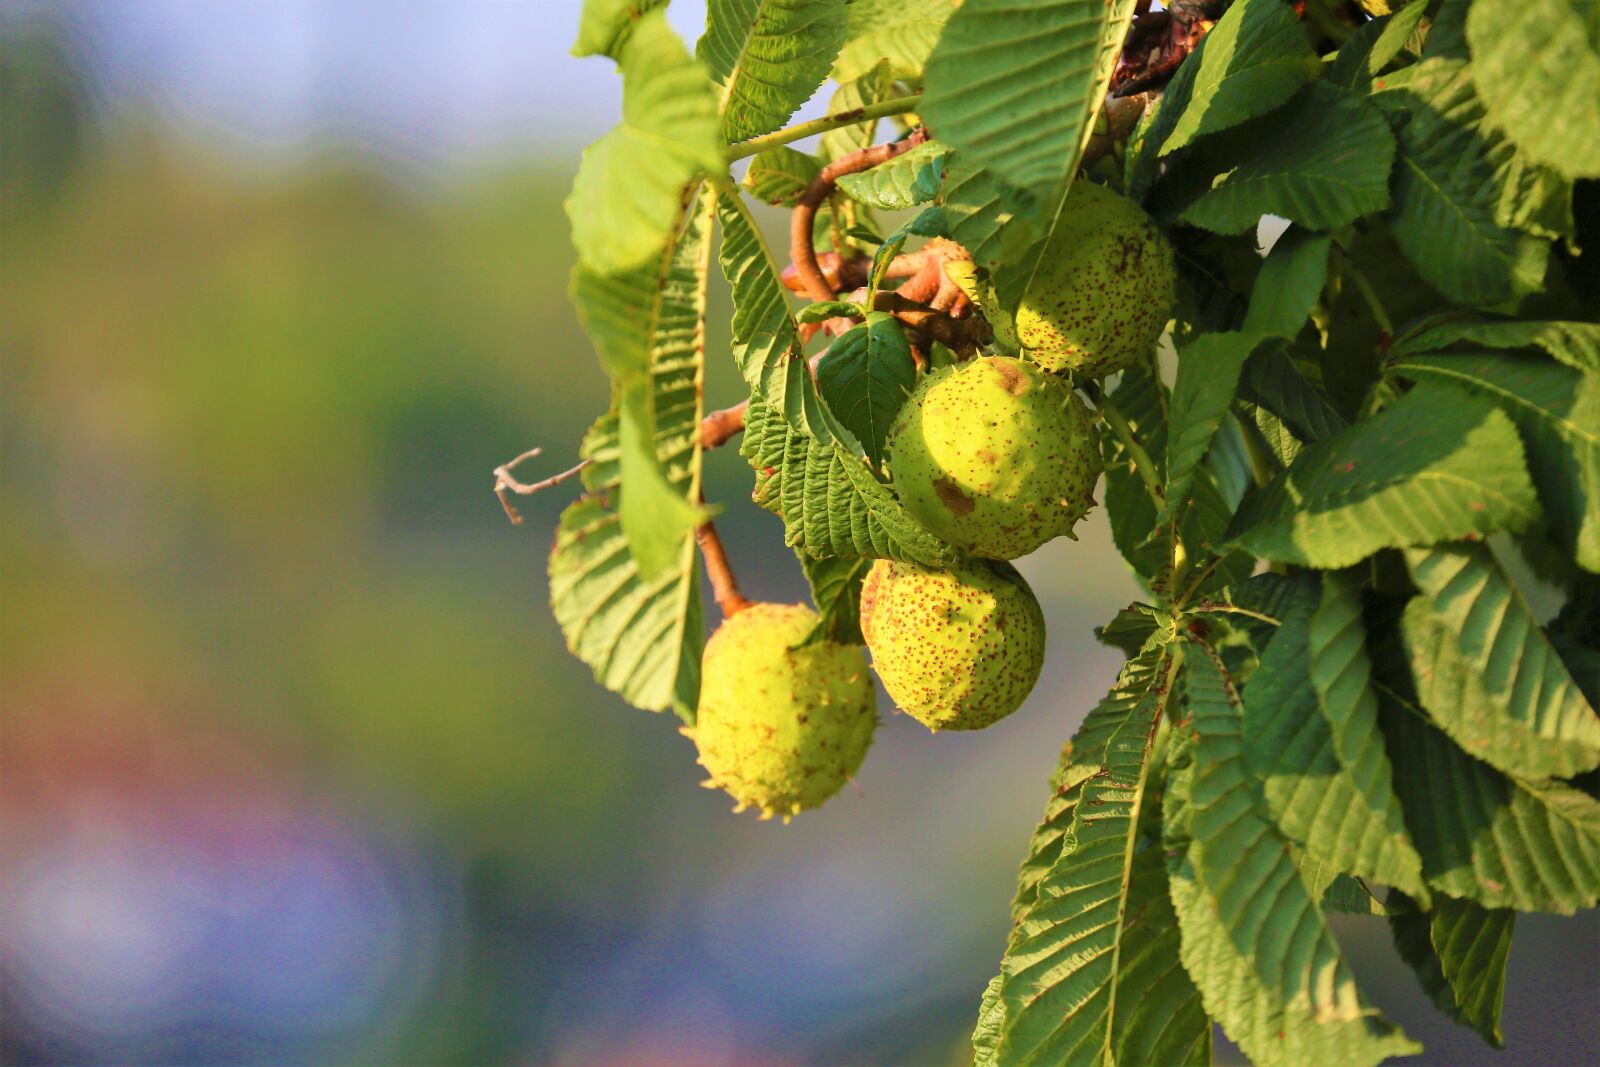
{"x":723,"y":584}
{"x":801,"y":250}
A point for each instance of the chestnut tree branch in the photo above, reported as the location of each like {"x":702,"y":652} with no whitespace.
{"x":801,"y":250}
{"x":723,"y":584}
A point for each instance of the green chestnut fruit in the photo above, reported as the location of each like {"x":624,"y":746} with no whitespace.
{"x":781,"y":728}
{"x":995,"y":456}
{"x":957,"y":649}
{"x":1104,"y":290}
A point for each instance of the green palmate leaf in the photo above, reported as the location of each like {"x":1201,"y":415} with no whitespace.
{"x":1557,"y":409}
{"x":1438,"y":465}
{"x":903,"y":32}
{"x":1323,"y":162}
{"x":1577,"y":344}
{"x":779,"y":175}
{"x":632,"y":183}
{"x":1143,"y":401}
{"x":991,"y":1021}
{"x":1253,"y":939}
{"x":1486,"y":673}
{"x":1208,"y":376}
{"x":648,"y":326}
{"x":1374,"y":46}
{"x":1081,"y":759}
{"x":1535,"y":199}
{"x":1499,"y":840}
{"x":1349,"y":896}
{"x":640,"y":629}
{"x":907,"y":180}
{"x":1255,"y":58}
{"x":836,"y":591}
{"x":1312,"y":739}
{"x":1291,"y":280}
{"x":995,"y":221}
{"x":830,"y":503}
{"x":765,"y":344}
{"x":1016,"y":83}
{"x":865,"y":377}
{"x":768,"y":56}
{"x":641,"y":637}
{"x":605,"y":24}
{"x":1538,"y":68}
{"x":1447,"y":37}
{"x":1459,"y":952}
{"x":1066,"y":978}
{"x":871,"y":86}
{"x":1272,"y":380}
{"x":1447,"y":188}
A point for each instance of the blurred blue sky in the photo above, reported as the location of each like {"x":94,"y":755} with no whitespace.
{"x":423,"y":83}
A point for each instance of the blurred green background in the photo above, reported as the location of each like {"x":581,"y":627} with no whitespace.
{"x":296,"y":768}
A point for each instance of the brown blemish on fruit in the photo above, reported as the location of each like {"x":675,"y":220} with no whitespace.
{"x":952,"y":497}
{"x":1015,"y":383}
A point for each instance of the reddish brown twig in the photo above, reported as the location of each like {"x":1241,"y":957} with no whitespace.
{"x":961,"y":336}
{"x":801,"y":250}
{"x":723,"y":584}
{"x":717,"y":428}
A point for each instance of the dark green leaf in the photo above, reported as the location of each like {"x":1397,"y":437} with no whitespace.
{"x":1447,"y":189}
{"x":1485,"y":672}
{"x":1254,"y":940}
{"x":1312,"y":740}
{"x":1374,"y":46}
{"x":865,"y":377}
{"x":1459,"y":952}
{"x":1577,"y":344}
{"x":1064,"y":980}
{"x":830,"y":503}
{"x":1557,"y":409}
{"x":1438,"y":465}
{"x":1290,"y":281}
{"x":836,"y":591}
{"x":1501,"y":841}
{"x":1255,"y":58}
{"x":1016,"y":83}
{"x":1323,"y":161}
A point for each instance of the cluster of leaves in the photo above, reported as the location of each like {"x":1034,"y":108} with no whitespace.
{"x":1336,"y":697}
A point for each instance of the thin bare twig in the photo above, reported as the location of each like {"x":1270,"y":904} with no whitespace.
{"x":505,"y":483}
{"x":716,"y":429}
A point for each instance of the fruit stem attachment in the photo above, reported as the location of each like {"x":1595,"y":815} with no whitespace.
{"x":1142,"y":464}
{"x":898,"y":105}
{"x":723,"y":584}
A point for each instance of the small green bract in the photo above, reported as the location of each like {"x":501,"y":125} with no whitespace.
{"x":995,"y":456}
{"x":1104,"y":290}
{"x":781,"y":728}
{"x":957,"y":649}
